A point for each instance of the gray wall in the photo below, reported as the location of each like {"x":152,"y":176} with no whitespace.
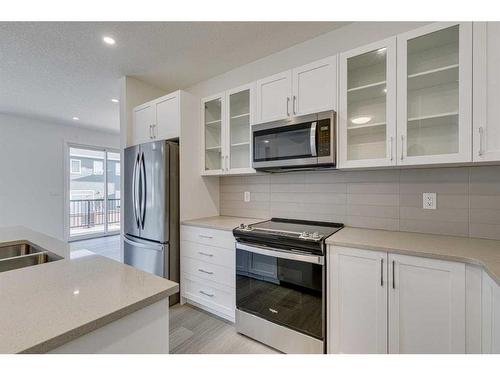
{"x":468,"y":199}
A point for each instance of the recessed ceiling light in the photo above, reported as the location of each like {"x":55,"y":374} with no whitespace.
{"x":385,"y":90}
{"x":115,"y":100}
{"x":108,"y":40}
{"x":76,"y":118}
{"x":361,"y":120}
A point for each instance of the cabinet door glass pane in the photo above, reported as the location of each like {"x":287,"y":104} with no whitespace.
{"x":239,"y":129}
{"x":213,"y":134}
{"x":432,"y":93}
{"x":366,"y":106}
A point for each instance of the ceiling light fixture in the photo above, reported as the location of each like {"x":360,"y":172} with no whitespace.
{"x":115,"y":100}
{"x":381,"y":50}
{"x":108,"y":40}
{"x":361,"y":120}
{"x":76,"y":118}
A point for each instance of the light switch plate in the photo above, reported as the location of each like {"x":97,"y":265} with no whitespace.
{"x":246,"y":196}
{"x":429,"y":201}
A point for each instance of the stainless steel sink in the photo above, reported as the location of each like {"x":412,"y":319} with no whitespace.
{"x":16,"y":250}
{"x":24,"y":255}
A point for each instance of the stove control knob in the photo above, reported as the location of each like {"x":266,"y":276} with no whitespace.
{"x":316,"y":235}
{"x":242,"y":226}
{"x":305,"y":235}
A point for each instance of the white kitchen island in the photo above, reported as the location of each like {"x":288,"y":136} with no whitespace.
{"x":86,"y":305}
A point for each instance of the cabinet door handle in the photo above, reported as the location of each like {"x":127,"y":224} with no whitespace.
{"x":150,"y":131}
{"x":402,"y":146}
{"x":382,"y":272}
{"x":154,"y":131}
{"x":204,"y":271}
{"x":288,"y":106}
{"x":481,"y":140}
{"x":206,"y":254}
{"x":393,"y":275}
{"x":227,"y":162}
{"x":391,"y":140}
{"x":206,"y":294}
{"x":205,"y":236}
{"x":293,"y":105}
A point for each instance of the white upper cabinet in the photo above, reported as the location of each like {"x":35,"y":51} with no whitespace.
{"x":226,"y":120}
{"x":357,"y":301}
{"x":307,"y":89}
{"x":168,"y":117}
{"x":315,"y":87}
{"x":158,"y":119}
{"x":143,"y":120}
{"x":434,"y":94}
{"x":274,"y":97}
{"x":240,"y":115}
{"x":426,"y":305}
{"x":486,"y":134}
{"x":367,"y":107}
{"x":212,"y":117}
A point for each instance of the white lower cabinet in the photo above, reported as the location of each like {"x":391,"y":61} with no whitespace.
{"x":426,"y":305}
{"x":390,"y":303}
{"x":358,"y":315}
{"x":490,"y":306}
{"x":208,"y":273}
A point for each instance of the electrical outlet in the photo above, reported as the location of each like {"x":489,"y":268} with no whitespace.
{"x":429,"y":201}
{"x":246,"y":196}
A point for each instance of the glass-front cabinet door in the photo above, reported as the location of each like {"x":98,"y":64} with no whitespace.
{"x":239,"y":120}
{"x":434,"y":94}
{"x":213,"y":134}
{"x":367,"y":114}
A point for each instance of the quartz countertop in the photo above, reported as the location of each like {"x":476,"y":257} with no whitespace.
{"x":47,"y":305}
{"x":481,"y":252}
{"x":221,"y":222}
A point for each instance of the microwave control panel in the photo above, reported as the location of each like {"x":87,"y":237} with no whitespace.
{"x":324,"y":137}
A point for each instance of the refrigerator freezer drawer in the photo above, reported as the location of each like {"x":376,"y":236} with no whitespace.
{"x":149,"y":257}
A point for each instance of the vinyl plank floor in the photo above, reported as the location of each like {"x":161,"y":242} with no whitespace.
{"x":193,"y":331}
{"x":108,"y":246}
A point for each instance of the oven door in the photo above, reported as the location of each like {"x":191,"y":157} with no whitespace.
{"x":283,"y":287}
{"x":275,"y":145}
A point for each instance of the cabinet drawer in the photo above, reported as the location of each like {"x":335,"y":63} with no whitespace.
{"x":207,"y":236}
{"x":218,"y":298}
{"x":209,"y":254}
{"x":208,"y":271}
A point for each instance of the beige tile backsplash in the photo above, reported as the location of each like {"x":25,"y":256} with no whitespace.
{"x":468,"y":199}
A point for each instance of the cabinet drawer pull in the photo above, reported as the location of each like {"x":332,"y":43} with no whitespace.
{"x":206,"y":294}
{"x":205,"y":236}
{"x":206,"y":254}
{"x":207,"y":272}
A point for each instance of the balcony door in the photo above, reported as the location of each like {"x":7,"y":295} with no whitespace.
{"x":94,"y":192}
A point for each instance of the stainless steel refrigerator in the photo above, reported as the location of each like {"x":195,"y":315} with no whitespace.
{"x":151,"y":209}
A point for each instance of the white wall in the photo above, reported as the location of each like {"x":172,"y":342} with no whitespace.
{"x":339,"y":40}
{"x":32,"y":170}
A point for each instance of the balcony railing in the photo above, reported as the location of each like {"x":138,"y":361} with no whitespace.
{"x":87,"y":213}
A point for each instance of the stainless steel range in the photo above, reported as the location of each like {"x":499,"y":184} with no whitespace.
{"x":281,"y":283}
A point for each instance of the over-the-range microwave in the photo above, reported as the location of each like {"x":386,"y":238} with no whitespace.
{"x":295,"y":143}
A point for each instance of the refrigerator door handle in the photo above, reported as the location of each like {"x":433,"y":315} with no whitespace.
{"x":134,"y":190}
{"x":143,"y":186}
{"x":142,"y":245}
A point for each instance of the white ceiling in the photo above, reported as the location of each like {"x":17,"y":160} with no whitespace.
{"x":57,"y":70}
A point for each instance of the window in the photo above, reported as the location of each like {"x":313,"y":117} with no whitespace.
{"x":117,"y":169}
{"x":76,"y":166}
{"x":98,"y":167}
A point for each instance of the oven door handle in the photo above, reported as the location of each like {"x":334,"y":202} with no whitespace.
{"x":279,"y":253}
{"x":313,"y":139}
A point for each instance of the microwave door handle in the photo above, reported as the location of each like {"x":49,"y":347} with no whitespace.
{"x":313,"y":139}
